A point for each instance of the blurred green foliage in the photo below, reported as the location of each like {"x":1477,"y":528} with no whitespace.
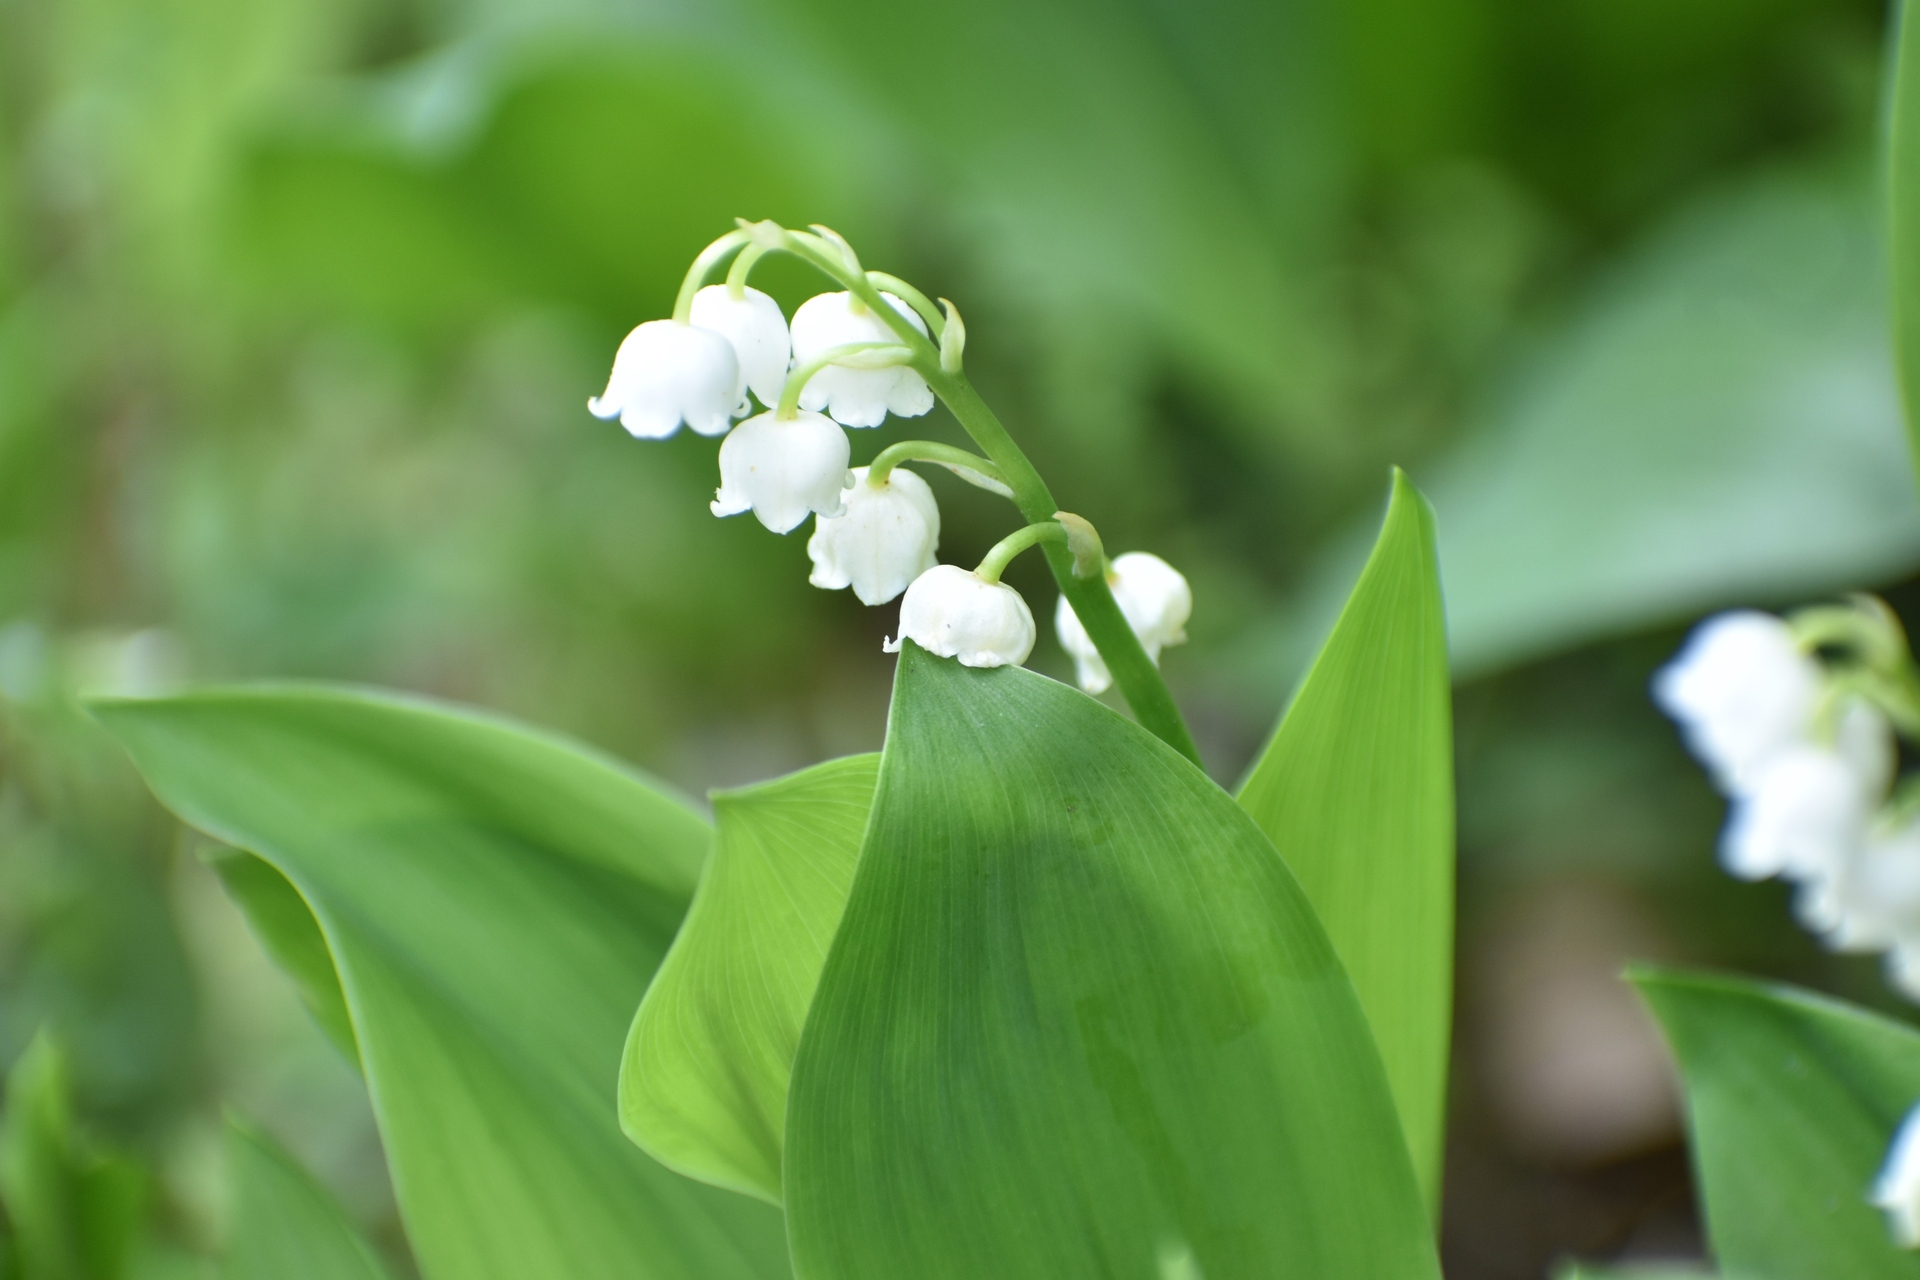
{"x":300,"y":303}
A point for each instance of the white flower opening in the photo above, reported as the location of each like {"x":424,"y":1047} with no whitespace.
{"x":885,"y":540}
{"x":955,"y":613}
{"x":666,"y":373}
{"x":757,"y":330}
{"x":855,"y":397}
{"x":1154,"y":598}
{"x":783,"y":470}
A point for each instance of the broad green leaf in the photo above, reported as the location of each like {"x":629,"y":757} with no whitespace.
{"x":285,"y":926}
{"x":1792,"y":1102}
{"x":495,"y":901}
{"x":1903,"y":213}
{"x":1716,"y":422}
{"x":703,"y":1086}
{"x":75,"y":1211}
{"x":1356,"y":792}
{"x":285,"y":1226}
{"x":1079,"y":1021}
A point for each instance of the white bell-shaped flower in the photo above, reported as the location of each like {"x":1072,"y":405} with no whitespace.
{"x":886,"y":539}
{"x":1872,"y":901}
{"x":783,"y":469}
{"x":956,"y":613}
{"x":1741,"y":689}
{"x":755,"y":326}
{"x":666,"y":373}
{"x":1805,"y":815}
{"x":1156,"y":602}
{"x":1864,"y":740}
{"x":1897,"y":1192}
{"x":855,"y":397}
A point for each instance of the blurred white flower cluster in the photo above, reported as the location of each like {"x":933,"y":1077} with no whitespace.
{"x":876,"y":530}
{"x":1804,"y":751}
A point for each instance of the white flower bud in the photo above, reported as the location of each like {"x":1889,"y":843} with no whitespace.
{"x":885,"y":540}
{"x":666,"y":373}
{"x":758,"y":331}
{"x":1898,"y":1190}
{"x":955,"y":613}
{"x":855,"y":397}
{"x":782,"y":469}
{"x":1805,"y":815}
{"x":1741,"y":689}
{"x":1156,"y":602}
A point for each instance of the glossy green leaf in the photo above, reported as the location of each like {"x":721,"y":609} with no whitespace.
{"x":1903,"y":212}
{"x":1792,"y":1102}
{"x":1356,"y":792}
{"x":703,"y":1086}
{"x":495,"y":901}
{"x":75,"y":1210}
{"x":286,"y":1226}
{"x":1079,"y":1021}
{"x":285,"y":926}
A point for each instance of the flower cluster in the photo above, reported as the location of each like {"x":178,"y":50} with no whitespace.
{"x":841,"y":363}
{"x":1803,"y":747}
{"x":1795,"y":719}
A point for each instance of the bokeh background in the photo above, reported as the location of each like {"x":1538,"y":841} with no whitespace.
{"x":301,"y":301}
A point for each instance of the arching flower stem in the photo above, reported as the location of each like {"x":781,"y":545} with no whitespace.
{"x":742,"y":268}
{"x":1873,"y":662}
{"x":710,"y":257}
{"x":1135,"y":674}
{"x":919,"y":301}
{"x":857,"y":355}
{"x":995,"y":562}
{"x":959,"y":461}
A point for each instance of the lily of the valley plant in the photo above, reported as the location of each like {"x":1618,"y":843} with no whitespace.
{"x":874,"y":347}
{"x":1025,"y":995}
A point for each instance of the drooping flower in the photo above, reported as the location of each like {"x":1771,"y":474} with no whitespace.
{"x":1741,"y":690}
{"x":666,"y":373}
{"x":886,"y":539}
{"x":1897,"y":1192}
{"x":1156,"y":602}
{"x":758,"y":331}
{"x":1805,"y":815}
{"x":783,"y":469}
{"x":955,"y":613}
{"x":1872,"y":901}
{"x":855,"y":397}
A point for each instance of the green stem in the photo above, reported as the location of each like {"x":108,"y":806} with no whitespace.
{"x":798,"y":379}
{"x":929,"y":451}
{"x":710,"y":257}
{"x":741,"y":269}
{"x":1001,"y":554}
{"x":1134,"y":673}
{"x":912,"y":297}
